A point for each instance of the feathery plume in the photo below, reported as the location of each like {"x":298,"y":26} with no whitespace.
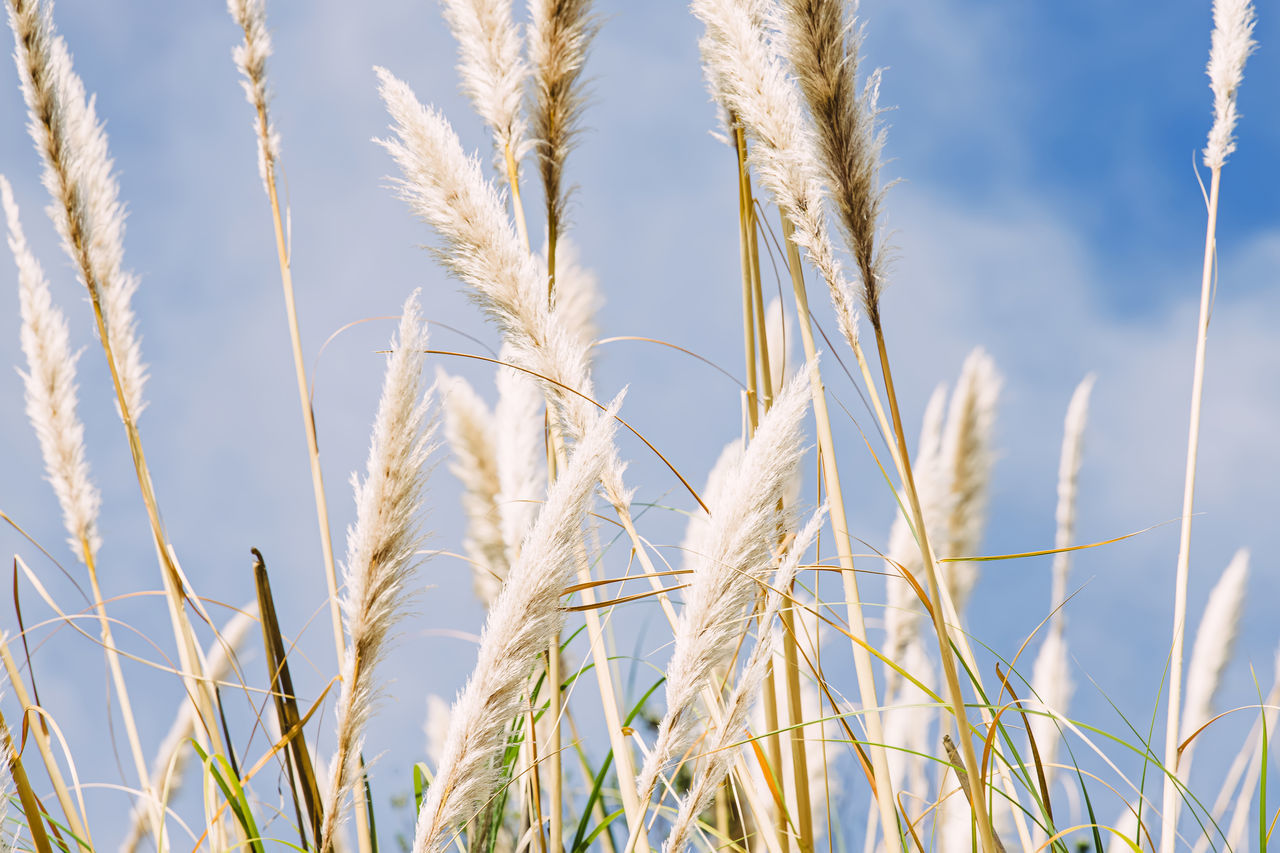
{"x":493,"y":72}
{"x":560,"y":32}
{"x":78,"y":175}
{"x":1212,"y":650}
{"x":472,"y":434}
{"x":751,"y":82}
{"x":524,"y":619}
{"x":1229,"y":47}
{"x":722,"y":749}
{"x":446,"y":188}
{"x":1068,"y":485}
{"x":738,"y":548}
{"x":50,"y":383}
{"x":382,"y":545}
{"x":171,"y":757}
{"x":251,"y":59}
{"x":823,"y":49}
{"x":966,"y":449}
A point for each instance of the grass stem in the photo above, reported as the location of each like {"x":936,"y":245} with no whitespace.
{"x":1171,"y":797}
{"x":844,"y":548}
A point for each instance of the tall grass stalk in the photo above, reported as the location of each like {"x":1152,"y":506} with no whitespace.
{"x":72,"y":810}
{"x":751,"y":83}
{"x":89,"y":218}
{"x":51,"y":407}
{"x":1230,"y":45}
{"x":251,"y":58}
{"x":520,"y":625}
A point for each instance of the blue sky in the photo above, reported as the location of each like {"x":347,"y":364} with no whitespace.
{"x":1048,"y":211}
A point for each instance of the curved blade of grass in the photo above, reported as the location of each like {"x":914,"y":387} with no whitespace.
{"x":30,"y":803}
{"x":1050,"y":551}
{"x":1263,"y":835}
{"x":220,"y":770}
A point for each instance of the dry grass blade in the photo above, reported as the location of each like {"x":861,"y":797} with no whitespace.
{"x":285,"y":700}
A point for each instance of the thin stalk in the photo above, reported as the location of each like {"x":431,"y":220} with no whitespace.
{"x":844,"y":548}
{"x":554,"y":709}
{"x":188,"y":652}
{"x":1171,"y":797}
{"x":604,"y":676}
{"x":750,"y":281}
{"x":513,"y":183}
{"x":535,"y":790}
{"x":304,"y":398}
{"x":75,"y":824}
{"x":790,"y":694}
{"x":974,"y":782}
{"x":745,"y":225}
{"x":554,"y":462}
{"x":795,"y":721}
{"x":313,"y":447}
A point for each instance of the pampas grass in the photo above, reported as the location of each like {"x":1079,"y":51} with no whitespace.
{"x":749,"y":79}
{"x":251,"y":58}
{"x":472,"y":434}
{"x":1212,"y":649}
{"x":1230,"y":45}
{"x":538,"y":754}
{"x":382,"y":545}
{"x":720,"y":755}
{"x":823,"y":48}
{"x":78,"y":173}
{"x":50,"y":383}
{"x":560,"y":33}
{"x":523,"y":620}
{"x":967,"y":456}
{"x":492,"y":69}
{"x":727,"y":573}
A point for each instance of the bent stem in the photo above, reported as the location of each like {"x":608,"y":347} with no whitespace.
{"x":1171,"y":798}
{"x":75,"y":824}
{"x":977,"y":796}
{"x":844,"y":547}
